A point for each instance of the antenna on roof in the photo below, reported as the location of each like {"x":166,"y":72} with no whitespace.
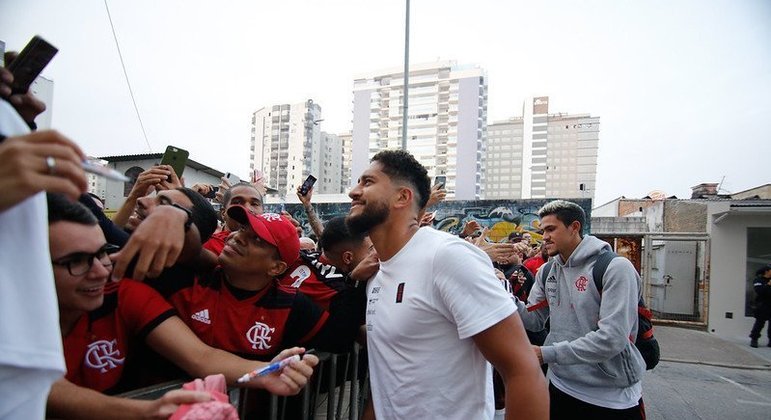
{"x":720,"y":185}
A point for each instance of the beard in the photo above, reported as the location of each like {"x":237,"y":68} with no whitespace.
{"x":370,"y":217}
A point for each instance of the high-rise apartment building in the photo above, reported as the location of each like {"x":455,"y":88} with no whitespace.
{"x":542,"y":155}
{"x":330,"y":165}
{"x":346,"y":140}
{"x":447,"y":121}
{"x":286,"y":145}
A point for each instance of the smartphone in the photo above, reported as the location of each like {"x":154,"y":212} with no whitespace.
{"x":30,"y":63}
{"x":232,"y":178}
{"x":307,"y":184}
{"x":2,"y":54}
{"x":176,"y":158}
{"x":440,"y":180}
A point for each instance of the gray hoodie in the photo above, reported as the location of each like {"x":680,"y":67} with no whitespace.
{"x":591,"y":339}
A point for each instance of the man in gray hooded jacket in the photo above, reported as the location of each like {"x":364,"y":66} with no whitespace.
{"x":595,"y":370}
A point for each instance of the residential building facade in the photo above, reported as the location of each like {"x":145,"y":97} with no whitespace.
{"x":447,"y":121}
{"x":330,"y":170}
{"x":346,"y":140}
{"x":542,"y":155}
{"x":285,"y":145}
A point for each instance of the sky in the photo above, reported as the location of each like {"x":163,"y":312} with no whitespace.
{"x":682,"y":88}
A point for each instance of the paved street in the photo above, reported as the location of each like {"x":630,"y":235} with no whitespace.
{"x":690,"y":391}
{"x":702,"y":376}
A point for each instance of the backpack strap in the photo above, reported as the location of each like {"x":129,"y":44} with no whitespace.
{"x":601,"y":266}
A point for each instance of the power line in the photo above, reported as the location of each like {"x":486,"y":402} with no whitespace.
{"x":125,"y":74}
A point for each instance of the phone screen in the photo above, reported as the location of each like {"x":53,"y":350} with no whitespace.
{"x":176,"y":158}
{"x":440,"y":180}
{"x":308,"y":184}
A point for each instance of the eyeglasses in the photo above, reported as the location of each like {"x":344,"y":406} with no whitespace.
{"x":80,"y":263}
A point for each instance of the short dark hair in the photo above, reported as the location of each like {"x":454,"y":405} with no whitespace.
{"x":336,"y":233}
{"x":62,"y":209}
{"x":204,"y":215}
{"x":228,"y":194}
{"x":401,"y":166}
{"x":566,"y":212}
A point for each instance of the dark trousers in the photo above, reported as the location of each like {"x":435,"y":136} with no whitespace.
{"x":563,"y":406}
{"x":758,"y":326}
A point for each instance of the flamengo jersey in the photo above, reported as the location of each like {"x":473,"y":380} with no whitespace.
{"x":256,"y":327}
{"x":315,"y":277}
{"x":97,"y":349}
{"x":217,"y":241}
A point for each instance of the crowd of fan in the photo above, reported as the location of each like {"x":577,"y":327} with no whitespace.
{"x":169,"y":288}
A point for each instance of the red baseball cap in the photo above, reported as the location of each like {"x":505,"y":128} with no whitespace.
{"x":272,"y":228}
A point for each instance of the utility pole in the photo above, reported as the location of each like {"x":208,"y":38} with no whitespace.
{"x":405,"y":95}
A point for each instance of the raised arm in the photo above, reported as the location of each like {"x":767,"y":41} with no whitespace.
{"x":146,"y":183}
{"x":159,"y":242}
{"x":313,"y":218}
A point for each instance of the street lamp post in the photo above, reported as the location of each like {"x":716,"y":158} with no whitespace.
{"x":405,"y":95}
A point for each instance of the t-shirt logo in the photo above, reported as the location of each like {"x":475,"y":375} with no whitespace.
{"x":103,"y":355}
{"x":581,"y":284}
{"x":259,"y":336}
{"x":400,"y":293}
{"x":202,"y":316}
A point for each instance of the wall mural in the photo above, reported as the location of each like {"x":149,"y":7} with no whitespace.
{"x":502,"y":217}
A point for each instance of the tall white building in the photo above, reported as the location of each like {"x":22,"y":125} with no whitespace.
{"x":346,"y":140}
{"x":330,"y":165}
{"x":542,"y":155}
{"x":285,"y":145}
{"x":447,"y":121}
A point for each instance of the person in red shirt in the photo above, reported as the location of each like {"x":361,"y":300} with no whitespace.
{"x":240,"y":306}
{"x":101,"y":322}
{"x":242,"y":194}
{"x":534,"y":263}
{"x":324,"y":275}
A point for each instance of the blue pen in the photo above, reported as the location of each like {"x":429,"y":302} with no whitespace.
{"x":273,"y":367}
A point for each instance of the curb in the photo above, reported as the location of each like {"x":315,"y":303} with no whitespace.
{"x":717,"y":364}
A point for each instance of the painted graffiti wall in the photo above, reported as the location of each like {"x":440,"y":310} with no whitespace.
{"x":501,"y":217}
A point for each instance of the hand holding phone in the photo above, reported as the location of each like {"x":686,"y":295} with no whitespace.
{"x":307,"y":185}
{"x":30,"y":63}
{"x":440,"y":181}
{"x":176,"y":158}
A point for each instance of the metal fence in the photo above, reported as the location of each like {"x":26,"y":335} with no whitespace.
{"x":337,"y":390}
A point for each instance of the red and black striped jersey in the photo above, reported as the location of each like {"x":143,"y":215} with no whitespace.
{"x":254,"y":325}
{"x":315,"y":277}
{"x":100,"y":344}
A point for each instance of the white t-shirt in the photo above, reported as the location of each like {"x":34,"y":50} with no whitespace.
{"x":424,"y":306}
{"x":30,"y":337}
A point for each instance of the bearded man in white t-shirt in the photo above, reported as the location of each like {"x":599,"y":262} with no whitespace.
{"x":436,"y":313}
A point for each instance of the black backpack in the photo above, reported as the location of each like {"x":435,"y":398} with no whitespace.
{"x":645,"y":342}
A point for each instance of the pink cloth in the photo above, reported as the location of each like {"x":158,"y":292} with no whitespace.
{"x":218,"y":408}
